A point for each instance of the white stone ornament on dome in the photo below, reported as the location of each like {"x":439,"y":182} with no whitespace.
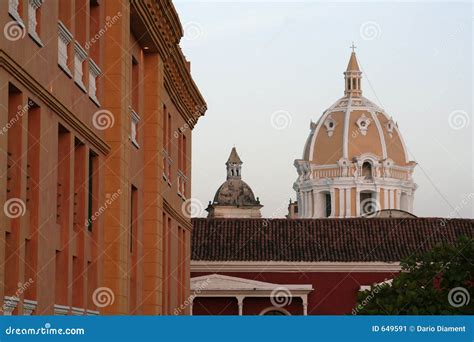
{"x":330,"y":125}
{"x":390,"y":126}
{"x":363,"y":123}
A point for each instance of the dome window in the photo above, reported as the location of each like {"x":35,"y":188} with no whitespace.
{"x":363,"y":123}
{"x":330,"y":125}
{"x":367,"y":170}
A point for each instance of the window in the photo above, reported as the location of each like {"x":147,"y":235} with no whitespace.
{"x":272,"y":311}
{"x":367,"y":170}
{"x":328,"y":204}
{"x":134,"y":128}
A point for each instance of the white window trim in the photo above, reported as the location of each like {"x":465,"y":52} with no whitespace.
{"x":79,"y":57}
{"x":94,"y":72}
{"x":33,"y":6}
{"x":64,"y":39}
{"x":135,"y":119}
{"x":13,"y":11}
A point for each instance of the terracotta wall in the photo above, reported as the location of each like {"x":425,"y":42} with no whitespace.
{"x":63,"y":163}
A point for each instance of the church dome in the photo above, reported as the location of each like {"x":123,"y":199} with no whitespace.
{"x":234,"y":198}
{"x":235,"y":192}
{"x":354,"y":126}
{"x":354,"y":161}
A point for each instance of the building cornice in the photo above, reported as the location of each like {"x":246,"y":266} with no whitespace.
{"x":159,"y":27}
{"x":52,"y":102}
{"x":292,"y":267}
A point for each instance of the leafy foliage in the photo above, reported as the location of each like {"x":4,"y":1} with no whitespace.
{"x":429,"y":284}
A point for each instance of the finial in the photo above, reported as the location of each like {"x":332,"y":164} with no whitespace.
{"x":353,"y":47}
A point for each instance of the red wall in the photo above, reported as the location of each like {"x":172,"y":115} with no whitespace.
{"x":334,"y":293}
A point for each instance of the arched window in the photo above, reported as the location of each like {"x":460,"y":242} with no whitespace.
{"x":367,"y":170}
{"x":272,"y":311}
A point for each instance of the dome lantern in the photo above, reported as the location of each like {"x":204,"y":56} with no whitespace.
{"x":352,"y":76}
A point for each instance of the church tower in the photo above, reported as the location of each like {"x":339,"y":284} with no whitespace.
{"x":355,"y":161}
{"x":234,"y":198}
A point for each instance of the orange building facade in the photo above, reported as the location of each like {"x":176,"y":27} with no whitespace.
{"x":97,"y":106}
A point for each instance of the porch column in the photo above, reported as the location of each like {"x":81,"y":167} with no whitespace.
{"x":305,"y":305}
{"x":240,"y":303}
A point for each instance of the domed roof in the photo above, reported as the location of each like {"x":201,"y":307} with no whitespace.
{"x":354,"y":126}
{"x":235,"y":192}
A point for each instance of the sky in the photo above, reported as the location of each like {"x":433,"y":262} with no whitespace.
{"x":251,"y":60}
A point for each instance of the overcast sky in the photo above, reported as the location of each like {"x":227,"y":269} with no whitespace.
{"x":252,"y":59}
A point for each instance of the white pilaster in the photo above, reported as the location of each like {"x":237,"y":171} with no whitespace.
{"x":341,"y":202}
{"x":348,"y":202}
{"x":315,"y":204}
{"x":386,"y":199}
{"x":333,"y":203}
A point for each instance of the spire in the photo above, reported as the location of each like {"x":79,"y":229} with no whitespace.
{"x":234,"y":165}
{"x":352,"y":76}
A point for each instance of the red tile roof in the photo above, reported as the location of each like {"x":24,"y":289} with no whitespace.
{"x":356,"y":239}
